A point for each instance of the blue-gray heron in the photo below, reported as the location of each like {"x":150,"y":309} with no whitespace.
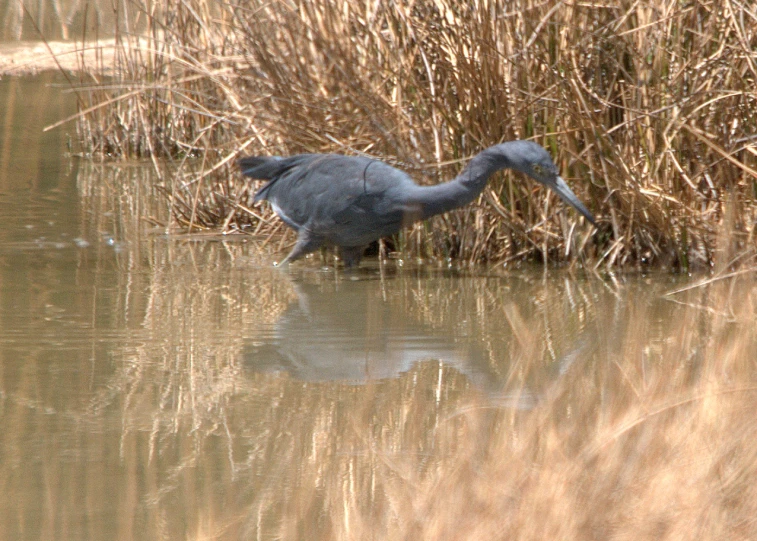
{"x":350,"y":201}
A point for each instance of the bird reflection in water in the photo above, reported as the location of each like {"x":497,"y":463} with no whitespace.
{"x":347,"y":332}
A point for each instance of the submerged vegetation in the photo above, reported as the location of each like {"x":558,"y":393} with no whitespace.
{"x":648,"y":108}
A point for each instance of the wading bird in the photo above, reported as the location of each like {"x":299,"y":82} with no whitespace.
{"x":350,"y":201}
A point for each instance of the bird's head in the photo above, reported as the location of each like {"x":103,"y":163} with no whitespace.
{"x":533,"y":160}
{"x":529,"y":158}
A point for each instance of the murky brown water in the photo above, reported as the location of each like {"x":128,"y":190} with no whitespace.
{"x":155,"y":387}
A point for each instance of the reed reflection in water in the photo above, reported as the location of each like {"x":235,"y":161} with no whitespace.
{"x":186,"y":431}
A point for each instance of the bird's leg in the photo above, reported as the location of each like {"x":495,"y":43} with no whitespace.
{"x":306,"y":243}
{"x":323,"y":254}
{"x":351,"y":255}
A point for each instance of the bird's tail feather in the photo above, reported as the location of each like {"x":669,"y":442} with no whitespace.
{"x":271,"y":168}
{"x":261,"y":167}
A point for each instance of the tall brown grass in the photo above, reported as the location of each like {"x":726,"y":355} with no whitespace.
{"x":647,"y":107}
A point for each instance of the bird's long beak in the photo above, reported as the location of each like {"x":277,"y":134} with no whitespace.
{"x":567,"y":195}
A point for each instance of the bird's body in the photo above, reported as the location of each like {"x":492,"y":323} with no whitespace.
{"x":350,"y":201}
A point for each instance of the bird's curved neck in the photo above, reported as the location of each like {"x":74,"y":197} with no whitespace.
{"x":465,"y":187}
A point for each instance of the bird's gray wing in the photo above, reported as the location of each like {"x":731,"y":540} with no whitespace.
{"x":347,"y":200}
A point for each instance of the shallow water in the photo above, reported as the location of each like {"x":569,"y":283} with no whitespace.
{"x":155,"y":386}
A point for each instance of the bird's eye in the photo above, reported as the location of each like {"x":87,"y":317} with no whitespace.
{"x":538,"y":169}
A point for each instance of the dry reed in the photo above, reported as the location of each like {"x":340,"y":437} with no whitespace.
{"x":648,"y":108}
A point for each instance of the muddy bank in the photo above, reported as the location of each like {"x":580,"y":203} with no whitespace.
{"x":29,"y":57}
